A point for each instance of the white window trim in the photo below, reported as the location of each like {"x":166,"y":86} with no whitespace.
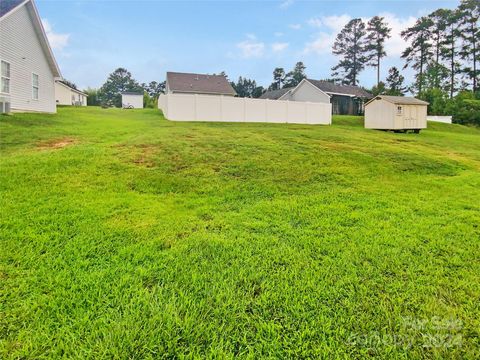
{"x":9,"y":77}
{"x":36,"y":86}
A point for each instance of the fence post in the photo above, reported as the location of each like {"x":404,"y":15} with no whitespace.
{"x":195,"y":106}
{"x":288,"y":112}
{"x":244,"y":109}
{"x":221,"y":107}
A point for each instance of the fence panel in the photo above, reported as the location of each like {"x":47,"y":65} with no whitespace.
{"x":195,"y":107}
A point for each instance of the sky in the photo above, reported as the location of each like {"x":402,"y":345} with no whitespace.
{"x":92,"y":38}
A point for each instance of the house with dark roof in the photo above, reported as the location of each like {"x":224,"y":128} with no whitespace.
{"x":189,"y":83}
{"x":28,"y":66}
{"x":345,"y":99}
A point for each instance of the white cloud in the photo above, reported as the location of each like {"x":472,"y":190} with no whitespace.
{"x":279,"y":46}
{"x":251,"y":47}
{"x":286,"y":4}
{"x":57,"y":41}
{"x":336,"y":22}
{"x":315,"y":22}
{"x":321,"y":44}
{"x":295,"y":26}
{"x":395,"y":45}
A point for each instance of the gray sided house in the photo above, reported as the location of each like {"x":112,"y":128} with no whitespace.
{"x":205,"y":84}
{"x":28,"y":67}
{"x":345,"y":99}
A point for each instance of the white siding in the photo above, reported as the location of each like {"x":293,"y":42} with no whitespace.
{"x":65,"y":96}
{"x":20,"y":46}
{"x":134,"y":100}
{"x":308,"y":92}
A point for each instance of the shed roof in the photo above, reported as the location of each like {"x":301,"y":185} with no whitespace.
{"x":199,"y":83}
{"x":347,"y":90}
{"x":399,"y":100}
{"x":275,"y":94}
{"x":132,"y":93}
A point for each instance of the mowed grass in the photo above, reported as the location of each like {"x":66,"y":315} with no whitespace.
{"x":124,"y":235}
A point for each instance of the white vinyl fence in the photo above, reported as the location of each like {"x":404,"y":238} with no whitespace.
{"x":442,"y":119}
{"x":195,"y":107}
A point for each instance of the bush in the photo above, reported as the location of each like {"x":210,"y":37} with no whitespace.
{"x":465,"y":108}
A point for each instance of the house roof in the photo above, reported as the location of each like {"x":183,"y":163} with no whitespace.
{"x":347,"y":90}
{"x":275,"y":94}
{"x":8,"y":7}
{"x":60,"y":82}
{"x":399,"y":100}
{"x":199,"y":83}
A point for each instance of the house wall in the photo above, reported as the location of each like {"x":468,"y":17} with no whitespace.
{"x":308,"y":92}
{"x":183,"y":107}
{"x":135,"y":100}
{"x":20,"y":46}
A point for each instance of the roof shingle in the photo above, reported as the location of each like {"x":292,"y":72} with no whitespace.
{"x":199,"y":83}
{"x":8,"y":5}
{"x":348,"y":90}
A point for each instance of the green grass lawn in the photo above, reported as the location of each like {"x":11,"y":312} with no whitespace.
{"x":124,"y":235}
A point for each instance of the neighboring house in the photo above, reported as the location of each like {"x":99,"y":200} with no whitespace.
{"x":186,"y":83}
{"x":66,"y":95}
{"x":28,"y":66}
{"x":396,"y":113}
{"x":345,"y":99}
{"x":132,"y":100}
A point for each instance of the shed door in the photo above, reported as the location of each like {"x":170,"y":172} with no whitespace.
{"x":410,"y":117}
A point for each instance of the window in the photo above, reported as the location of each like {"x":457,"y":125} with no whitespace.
{"x":5,"y":79}
{"x":399,"y":110}
{"x":34,"y":86}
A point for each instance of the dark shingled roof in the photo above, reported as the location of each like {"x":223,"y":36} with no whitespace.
{"x":8,"y":5}
{"x":275,"y":94}
{"x":132,"y":93}
{"x":348,"y":90}
{"x":199,"y":83}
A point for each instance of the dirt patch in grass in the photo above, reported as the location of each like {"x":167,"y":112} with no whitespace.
{"x":55,"y":143}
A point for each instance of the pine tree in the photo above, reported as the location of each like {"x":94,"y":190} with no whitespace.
{"x":377,"y":33}
{"x":470,"y":33}
{"x":350,"y":44}
{"x":294,"y":77}
{"x":438,"y":27}
{"x":419,"y":53}
{"x":278,"y":79}
{"x":395,"y":83}
{"x":449,"y":51}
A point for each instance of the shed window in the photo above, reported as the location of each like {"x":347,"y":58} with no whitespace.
{"x":35,"y":85}
{"x":5,"y":78}
{"x":399,"y":110}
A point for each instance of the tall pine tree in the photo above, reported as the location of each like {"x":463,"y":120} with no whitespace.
{"x":449,"y":48}
{"x":377,"y":33}
{"x":351,"y":45}
{"x":419,"y":53}
{"x":294,"y":77}
{"x":470,"y":33}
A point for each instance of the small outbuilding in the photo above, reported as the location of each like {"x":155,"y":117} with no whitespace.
{"x":401,"y":113}
{"x":132,"y":100}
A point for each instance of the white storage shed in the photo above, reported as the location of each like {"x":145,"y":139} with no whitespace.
{"x":396,"y":113}
{"x":132,"y":100}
